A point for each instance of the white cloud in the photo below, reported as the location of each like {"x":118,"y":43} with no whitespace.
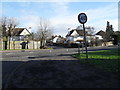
{"x":61,"y":24}
{"x":29,"y":21}
{"x":63,"y":20}
{"x":114,"y":22}
{"x":0,"y":9}
{"x":103,"y":12}
{"x":59,"y":0}
{"x":97,"y":18}
{"x":60,"y":8}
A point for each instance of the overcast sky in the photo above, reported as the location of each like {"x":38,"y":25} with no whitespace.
{"x":62,"y":15}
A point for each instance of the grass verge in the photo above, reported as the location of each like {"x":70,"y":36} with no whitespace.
{"x":108,"y":60}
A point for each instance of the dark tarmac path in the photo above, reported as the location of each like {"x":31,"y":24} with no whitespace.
{"x":61,"y":74}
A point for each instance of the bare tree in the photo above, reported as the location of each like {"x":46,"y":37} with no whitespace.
{"x":7,"y":27}
{"x":3,"y":31}
{"x":12,"y":23}
{"x":91,"y":32}
{"x":0,"y":32}
{"x":3,"y":24}
{"x":44,"y":31}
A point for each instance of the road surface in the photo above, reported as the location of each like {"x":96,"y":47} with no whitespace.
{"x":11,"y":60}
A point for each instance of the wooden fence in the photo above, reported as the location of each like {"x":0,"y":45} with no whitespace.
{"x":17,"y":45}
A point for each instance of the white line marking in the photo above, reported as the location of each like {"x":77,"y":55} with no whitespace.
{"x":9,"y":53}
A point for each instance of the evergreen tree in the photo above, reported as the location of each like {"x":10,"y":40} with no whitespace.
{"x":109,"y":32}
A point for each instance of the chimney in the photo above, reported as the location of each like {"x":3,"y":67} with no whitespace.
{"x":108,"y":23}
{"x":30,"y":29}
{"x":111,"y":27}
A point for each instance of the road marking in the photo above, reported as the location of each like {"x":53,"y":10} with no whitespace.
{"x":9,"y":53}
{"x":1,"y":59}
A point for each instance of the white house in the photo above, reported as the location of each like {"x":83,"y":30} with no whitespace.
{"x":75,"y":35}
{"x":20,"y":34}
{"x":99,"y":37}
{"x":55,"y":40}
{"x":58,"y":40}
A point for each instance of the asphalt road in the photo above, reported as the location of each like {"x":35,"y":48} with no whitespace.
{"x":26,"y":55}
{"x":13,"y":59}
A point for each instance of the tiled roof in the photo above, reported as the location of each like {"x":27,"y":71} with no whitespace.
{"x":102,"y":33}
{"x":17,"y":31}
{"x":80,"y":32}
{"x":117,"y":32}
{"x":69,"y":34}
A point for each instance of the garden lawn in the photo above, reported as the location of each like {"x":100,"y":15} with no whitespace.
{"x":108,"y":60}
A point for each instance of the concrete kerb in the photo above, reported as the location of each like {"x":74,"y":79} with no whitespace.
{"x":0,"y":70}
{"x":24,"y":50}
{"x":49,"y":49}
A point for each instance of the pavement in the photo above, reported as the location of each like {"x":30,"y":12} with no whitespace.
{"x":58,"y":70}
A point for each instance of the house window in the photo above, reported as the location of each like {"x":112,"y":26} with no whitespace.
{"x":21,"y":38}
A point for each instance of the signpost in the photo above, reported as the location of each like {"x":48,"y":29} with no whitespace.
{"x":78,"y":47}
{"x":82,"y":18}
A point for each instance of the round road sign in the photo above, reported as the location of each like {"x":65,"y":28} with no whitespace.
{"x":82,"y":18}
